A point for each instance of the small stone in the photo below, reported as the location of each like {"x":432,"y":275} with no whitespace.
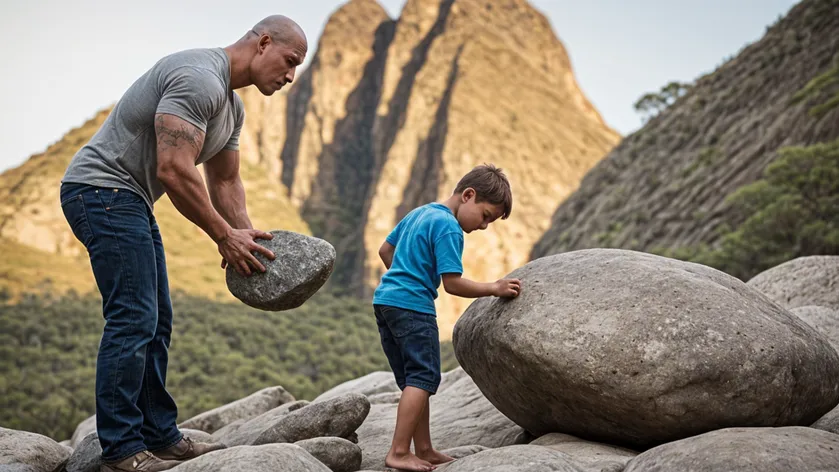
{"x":301,"y":266}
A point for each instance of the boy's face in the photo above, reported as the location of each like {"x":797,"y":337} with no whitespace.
{"x":476,"y":216}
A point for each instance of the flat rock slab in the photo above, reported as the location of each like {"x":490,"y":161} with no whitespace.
{"x":791,"y":448}
{"x":635,"y":350}
{"x":587,"y":455}
{"x":246,"y":408}
{"x":265,"y":458}
{"x":339,"y":417}
{"x":520,"y":458}
{"x":301,"y":266}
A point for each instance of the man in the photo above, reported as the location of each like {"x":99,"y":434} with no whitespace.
{"x":182,"y":112}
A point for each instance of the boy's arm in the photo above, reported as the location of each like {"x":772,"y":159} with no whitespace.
{"x":455,"y":284}
{"x":386,"y":253}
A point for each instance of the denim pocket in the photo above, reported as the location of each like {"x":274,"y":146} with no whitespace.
{"x":400,"y":322}
{"x":76,"y":216}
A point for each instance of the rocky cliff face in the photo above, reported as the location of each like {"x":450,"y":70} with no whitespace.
{"x":395,"y":115}
{"x":665,"y":186}
{"x":388,"y":116}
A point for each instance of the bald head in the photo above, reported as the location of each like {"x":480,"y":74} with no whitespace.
{"x":282,"y":30}
{"x":268,"y":55}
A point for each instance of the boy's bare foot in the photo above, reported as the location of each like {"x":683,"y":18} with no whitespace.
{"x":407,"y":462}
{"x":434,"y":457}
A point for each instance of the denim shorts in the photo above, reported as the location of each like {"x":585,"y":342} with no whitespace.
{"x":411,"y":342}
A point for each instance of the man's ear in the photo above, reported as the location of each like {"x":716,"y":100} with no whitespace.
{"x":263,"y":42}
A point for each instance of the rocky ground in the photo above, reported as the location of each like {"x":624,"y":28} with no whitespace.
{"x":610,"y":360}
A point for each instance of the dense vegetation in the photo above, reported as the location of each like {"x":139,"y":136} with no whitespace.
{"x":220,"y":352}
{"x":793,"y":211}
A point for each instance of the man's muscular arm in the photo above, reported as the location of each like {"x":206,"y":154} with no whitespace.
{"x":178,"y":146}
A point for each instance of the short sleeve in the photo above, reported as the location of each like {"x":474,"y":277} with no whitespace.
{"x":448,"y":253}
{"x":393,"y":237}
{"x":239,"y":108}
{"x":192,"y":94}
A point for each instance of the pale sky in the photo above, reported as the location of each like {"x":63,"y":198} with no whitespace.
{"x":65,"y":59}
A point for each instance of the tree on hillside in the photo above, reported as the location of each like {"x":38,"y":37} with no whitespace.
{"x":792,"y":212}
{"x":651,"y":104}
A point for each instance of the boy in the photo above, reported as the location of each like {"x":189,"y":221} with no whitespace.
{"x":423,"y":249}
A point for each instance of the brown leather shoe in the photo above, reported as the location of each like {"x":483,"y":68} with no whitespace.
{"x":188,"y":449}
{"x":140,"y":462}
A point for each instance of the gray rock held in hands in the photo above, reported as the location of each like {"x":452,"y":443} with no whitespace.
{"x":301,"y":266}
{"x":338,"y":454}
{"x":22,"y":451}
{"x":266,"y":458}
{"x":246,"y":408}
{"x":634,"y":349}
{"x":744,"y":450}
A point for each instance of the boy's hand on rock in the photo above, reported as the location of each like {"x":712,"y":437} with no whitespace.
{"x":507,"y":288}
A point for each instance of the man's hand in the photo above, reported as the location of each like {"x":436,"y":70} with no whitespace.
{"x":507,"y":288}
{"x":236,"y":249}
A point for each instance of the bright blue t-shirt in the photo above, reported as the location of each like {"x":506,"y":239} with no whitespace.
{"x":429,"y":243}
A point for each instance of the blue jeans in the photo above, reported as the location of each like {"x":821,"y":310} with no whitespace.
{"x":134,"y":412}
{"x":411,"y":342}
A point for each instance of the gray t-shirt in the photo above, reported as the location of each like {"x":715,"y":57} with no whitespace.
{"x":193,"y":85}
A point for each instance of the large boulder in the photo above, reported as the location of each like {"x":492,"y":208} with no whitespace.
{"x":460,"y":416}
{"x":301,"y":266}
{"x":22,"y":451}
{"x":810,"y":280}
{"x":338,"y":454}
{"x":588,"y":456}
{"x":339,"y":417}
{"x":83,"y":429}
{"x":265,"y":458}
{"x":824,"y":319}
{"x":246,"y":408}
{"x":744,"y":450}
{"x":521,"y":458}
{"x":634,"y":349}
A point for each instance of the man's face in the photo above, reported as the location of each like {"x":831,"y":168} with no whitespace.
{"x":275,"y":64}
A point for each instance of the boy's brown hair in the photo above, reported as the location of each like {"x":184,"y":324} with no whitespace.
{"x":491,"y":185}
